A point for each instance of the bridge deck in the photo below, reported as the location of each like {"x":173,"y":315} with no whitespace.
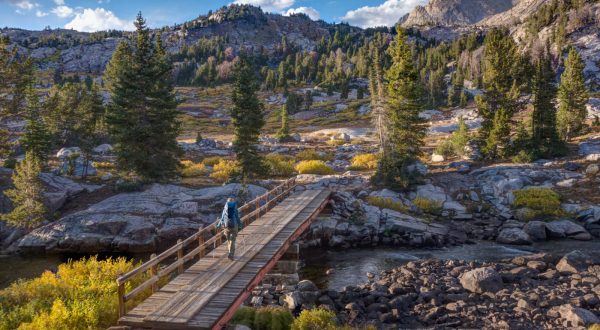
{"x":207,"y":293}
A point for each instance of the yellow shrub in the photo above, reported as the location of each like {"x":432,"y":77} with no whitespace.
{"x":211,"y":161}
{"x":387,"y":203}
{"x":539,"y":201}
{"x":312,"y":155}
{"x":225,"y":170}
{"x":335,"y":142}
{"x":365,"y":161}
{"x":428,"y":205}
{"x":594,"y":327}
{"x":280,"y":165}
{"x":191,"y":169}
{"x":81,"y":295}
{"x":315,"y":319}
{"x":313,"y":167}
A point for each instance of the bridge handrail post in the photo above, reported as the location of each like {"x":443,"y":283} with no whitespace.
{"x":201,"y":243}
{"x":180,"y":256}
{"x":121,"y":294}
{"x":154,"y":272}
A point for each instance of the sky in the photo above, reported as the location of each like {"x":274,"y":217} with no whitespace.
{"x":98,"y":15}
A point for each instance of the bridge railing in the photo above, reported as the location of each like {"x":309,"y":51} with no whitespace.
{"x":206,"y":238}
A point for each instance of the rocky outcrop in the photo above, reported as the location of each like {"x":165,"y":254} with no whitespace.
{"x":134,"y":222}
{"x":528,"y":292}
{"x":355,"y":223}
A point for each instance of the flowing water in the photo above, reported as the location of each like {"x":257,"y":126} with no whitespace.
{"x":349,"y":266}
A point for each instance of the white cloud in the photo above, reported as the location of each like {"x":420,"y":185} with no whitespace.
{"x":386,"y":14}
{"x":99,"y":19}
{"x":268,"y":5}
{"x":311,"y":12}
{"x":21,"y":4}
{"x":59,"y":2}
{"x":63,"y":11}
{"x":40,"y":13}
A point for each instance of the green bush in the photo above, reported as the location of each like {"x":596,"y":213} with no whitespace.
{"x":280,"y":165}
{"x":81,"y":295}
{"x":264,"y":318}
{"x":314,"y":167}
{"x":523,"y":157}
{"x":540,"y":202}
{"x":212,"y":161}
{"x":387,"y":203}
{"x":315,"y":319}
{"x":245,"y":316}
{"x":312,"y":155}
{"x":455,"y":145}
{"x":427,"y":205}
{"x":10,"y":162}
{"x":445,"y":149}
{"x":129,"y":186}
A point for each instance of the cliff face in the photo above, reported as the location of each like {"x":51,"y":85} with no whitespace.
{"x":456,"y":12}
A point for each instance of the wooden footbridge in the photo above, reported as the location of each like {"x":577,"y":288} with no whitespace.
{"x":207,"y":294}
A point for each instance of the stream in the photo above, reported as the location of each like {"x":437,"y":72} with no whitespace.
{"x":349,"y":266}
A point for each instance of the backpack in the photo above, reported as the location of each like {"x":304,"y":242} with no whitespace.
{"x":231,"y":209}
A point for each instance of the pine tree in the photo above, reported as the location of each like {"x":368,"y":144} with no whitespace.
{"x":406,"y":130}
{"x":36,"y":140}
{"x":543,"y":120}
{"x":142,"y":114}
{"x":572,"y":97}
{"x":464,"y":99}
{"x":377,"y":91}
{"x":247,"y":118}
{"x":27,"y":195}
{"x":90,"y":114}
{"x":16,"y":75}
{"x":503,"y":76}
{"x":284,"y":131}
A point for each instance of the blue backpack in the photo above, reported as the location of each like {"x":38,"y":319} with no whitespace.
{"x":231,"y":209}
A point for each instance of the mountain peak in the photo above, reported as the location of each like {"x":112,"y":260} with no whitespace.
{"x":455,"y":12}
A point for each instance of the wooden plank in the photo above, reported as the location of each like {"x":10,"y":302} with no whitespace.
{"x":189,"y":300}
{"x":277,"y":225}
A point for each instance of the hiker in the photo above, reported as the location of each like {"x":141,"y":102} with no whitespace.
{"x":230,"y":220}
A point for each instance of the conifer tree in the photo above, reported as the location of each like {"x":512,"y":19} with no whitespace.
{"x":572,"y":97}
{"x":16,"y":74}
{"x":502,"y":80}
{"x":142,"y":114}
{"x":284,"y":131}
{"x":543,"y":120}
{"x":377,"y":91}
{"x":27,"y":195}
{"x":36,"y":140}
{"x":403,"y":104}
{"x":247,"y":118}
{"x":464,"y":99}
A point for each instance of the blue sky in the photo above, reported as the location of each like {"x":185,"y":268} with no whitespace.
{"x":94,"y":15}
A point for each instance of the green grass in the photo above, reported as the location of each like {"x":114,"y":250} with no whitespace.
{"x":540,"y":202}
{"x":387,"y":203}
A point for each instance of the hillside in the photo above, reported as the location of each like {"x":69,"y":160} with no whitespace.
{"x":239,"y":26}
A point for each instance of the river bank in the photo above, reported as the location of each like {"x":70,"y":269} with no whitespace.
{"x":527,"y":291}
